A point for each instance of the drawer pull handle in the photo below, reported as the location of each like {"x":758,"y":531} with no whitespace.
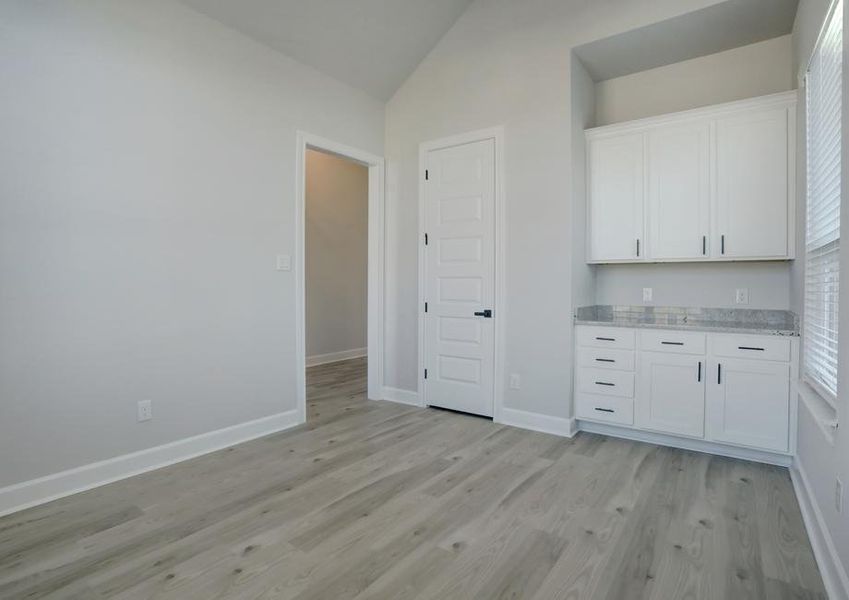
{"x":719,"y":374}
{"x":673,"y":343}
{"x":607,"y":410}
{"x":605,"y":383}
{"x":610,"y":360}
{"x":604,"y":339}
{"x":699,"y":378}
{"x":750,"y":348}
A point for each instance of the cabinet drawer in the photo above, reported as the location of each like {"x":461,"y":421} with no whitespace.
{"x":757,"y":347}
{"x":606,"y":358}
{"x":606,"y":337}
{"x":678,"y":342}
{"x":607,"y":409}
{"x":606,"y":382}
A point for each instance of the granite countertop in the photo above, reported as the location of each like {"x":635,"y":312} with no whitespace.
{"x":732,"y":320}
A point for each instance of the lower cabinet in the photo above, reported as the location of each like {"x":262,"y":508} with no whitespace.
{"x":749,"y":403}
{"x":671,"y":393}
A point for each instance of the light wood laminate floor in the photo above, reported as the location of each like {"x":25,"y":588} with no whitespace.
{"x":379,"y":500}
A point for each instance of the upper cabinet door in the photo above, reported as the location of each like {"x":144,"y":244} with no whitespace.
{"x":752,"y":187}
{"x":616,"y":190}
{"x":679,"y":192}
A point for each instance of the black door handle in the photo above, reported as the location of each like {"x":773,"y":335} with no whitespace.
{"x":487,"y":314}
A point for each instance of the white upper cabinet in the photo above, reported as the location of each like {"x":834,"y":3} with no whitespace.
{"x":711,"y":184}
{"x":679,"y":191}
{"x":752,"y":185}
{"x":617,"y":188}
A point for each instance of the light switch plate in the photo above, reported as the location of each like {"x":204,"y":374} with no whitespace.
{"x":145,"y":410}
{"x":284,"y":262}
{"x":647,"y":294}
{"x":515,"y":381}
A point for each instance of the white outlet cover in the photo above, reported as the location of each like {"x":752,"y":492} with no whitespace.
{"x":284,"y":262}
{"x":515,"y":381}
{"x":145,"y":410}
{"x":742,"y":296}
{"x":647,"y":294}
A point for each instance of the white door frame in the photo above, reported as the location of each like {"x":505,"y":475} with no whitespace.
{"x":376,"y":184}
{"x":499,"y":310}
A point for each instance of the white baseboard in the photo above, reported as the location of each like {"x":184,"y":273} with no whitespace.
{"x":831,"y":569}
{"x":537,"y":422}
{"x":685,"y":443}
{"x":51,"y":487}
{"x":401,"y":396}
{"x":332,"y":357}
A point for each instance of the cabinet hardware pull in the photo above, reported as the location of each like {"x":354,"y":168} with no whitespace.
{"x":719,"y":374}
{"x":722,"y":243}
{"x":704,"y":245}
{"x":638,"y":247}
{"x":607,"y":410}
{"x":673,"y":343}
{"x":750,"y":348}
{"x":699,"y":378}
{"x":605,"y":383}
{"x":610,"y":360}
{"x":604,"y":339}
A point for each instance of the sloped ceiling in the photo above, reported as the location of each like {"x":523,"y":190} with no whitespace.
{"x":372,"y":45}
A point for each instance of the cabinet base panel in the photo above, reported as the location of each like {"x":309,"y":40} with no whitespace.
{"x":660,"y":439}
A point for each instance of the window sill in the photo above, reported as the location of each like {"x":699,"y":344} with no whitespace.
{"x":823,"y":413}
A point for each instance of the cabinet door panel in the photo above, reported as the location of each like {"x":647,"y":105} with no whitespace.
{"x":616,"y":198}
{"x":752,"y":162}
{"x":749,"y":403}
{"x":679,"y":191}
{"x":671,"y":393}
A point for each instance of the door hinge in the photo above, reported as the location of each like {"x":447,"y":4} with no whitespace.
{"x":427,"y":174}
{"x":425,"y":306}
{"x":425,"y":373}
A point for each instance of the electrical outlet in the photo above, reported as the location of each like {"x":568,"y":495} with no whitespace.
{"x":145,"y":410}
{"x":284,"y":262}
{"x":515,"y":381}
{"x":647,"y":294}
{"x":838,"y":495}
{"x":742,"y":296}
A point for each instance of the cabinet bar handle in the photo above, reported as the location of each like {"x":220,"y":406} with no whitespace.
{"x":750,"y":348}
{"x":699,"y":378}
{"x":638,"y":247}
{"x":673,"y":343}
{"x":704,"y":245}
{"x":610,"y":360}
{"x":605,"y":383}
{"x":607,"y":410}
{"x":722,"y":243}
{"x":604,"y":339}
{"x":719,"y":374}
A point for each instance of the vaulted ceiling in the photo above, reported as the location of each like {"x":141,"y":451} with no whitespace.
{"x":373,"y":45}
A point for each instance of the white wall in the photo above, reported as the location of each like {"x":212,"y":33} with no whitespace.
{"x":147,"y":167}
{"x":336,"y":254}
{"x":820,"y":458}
{"x":753,"y":70}
{"x":508,"y":63}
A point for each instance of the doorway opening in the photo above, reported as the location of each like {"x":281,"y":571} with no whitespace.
{"x":339,"y":232}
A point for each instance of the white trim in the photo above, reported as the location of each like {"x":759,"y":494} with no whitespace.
{"x":499,"y":309}
{"x":400,"y":396}
{"x":332,"y":357}
{"x":833,"y":573}
{"x":672,"y":441}
{"x":537,"y":422}
{"x":58,"y":485}
{"x":376,"y":260}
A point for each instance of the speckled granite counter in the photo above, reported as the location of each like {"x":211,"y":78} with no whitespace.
{"x":732,"y":320}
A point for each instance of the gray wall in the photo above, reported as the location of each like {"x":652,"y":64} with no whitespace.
{"x":147,"y":164}
{"x":336,"y":254}
{"x":754,"y":70}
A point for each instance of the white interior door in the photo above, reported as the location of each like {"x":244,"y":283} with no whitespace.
{"x":460,"y":277}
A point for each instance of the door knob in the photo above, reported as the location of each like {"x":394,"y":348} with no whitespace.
{"x":484,"y":313}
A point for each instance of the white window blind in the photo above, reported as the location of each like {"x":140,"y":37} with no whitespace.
{"x":822,"y":236}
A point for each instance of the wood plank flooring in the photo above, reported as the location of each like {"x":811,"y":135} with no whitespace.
{"x":374,"y":500}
